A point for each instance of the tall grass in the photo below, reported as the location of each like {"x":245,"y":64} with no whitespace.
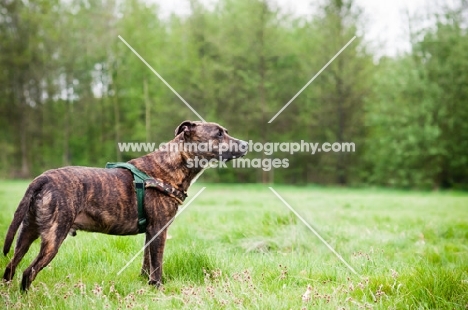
{"x":238,"y":247}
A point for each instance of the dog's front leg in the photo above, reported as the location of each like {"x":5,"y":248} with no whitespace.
{"x":156,"y":251}
{"x":145,"y":269}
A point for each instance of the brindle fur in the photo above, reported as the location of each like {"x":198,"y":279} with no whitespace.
{"x":64,"y":200}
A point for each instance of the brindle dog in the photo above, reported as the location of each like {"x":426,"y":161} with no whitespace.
{"x":64,"y":200}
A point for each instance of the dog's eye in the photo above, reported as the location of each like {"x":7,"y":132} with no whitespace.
{"x":220,"y":133}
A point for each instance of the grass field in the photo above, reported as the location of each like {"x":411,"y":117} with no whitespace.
{"x":239,"y":247}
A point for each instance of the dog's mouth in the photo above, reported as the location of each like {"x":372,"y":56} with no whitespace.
{"x":240,"y":152}
{"x":237,"y":156}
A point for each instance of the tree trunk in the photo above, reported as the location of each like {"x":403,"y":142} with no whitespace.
{"x":66,"y":135}
{"x":266,"y":175}
{"x":23,"y":129}
{"x":340,"y":164}
{"x":25,"y":173}
{"x":117,"y":125}
{"x":147,"y":110}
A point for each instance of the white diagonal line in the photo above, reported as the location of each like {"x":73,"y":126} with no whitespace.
{"x":161,"y":230}
{"x":315,"y":232}
{"x":312,"y":79}
{"x":163,"y":80}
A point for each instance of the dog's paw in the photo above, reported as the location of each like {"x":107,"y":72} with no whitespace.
{"x":25,"y":283}
{"x":8,"y":275}
{"x":156,"y":283}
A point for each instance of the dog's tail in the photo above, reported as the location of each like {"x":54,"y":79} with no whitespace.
{"x":23,"y":207}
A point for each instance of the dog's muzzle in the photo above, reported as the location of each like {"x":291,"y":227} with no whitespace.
{"x":239,"y":151}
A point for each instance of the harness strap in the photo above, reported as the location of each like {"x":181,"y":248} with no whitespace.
{"x":139,"y":179}
{"x":142,"y":181}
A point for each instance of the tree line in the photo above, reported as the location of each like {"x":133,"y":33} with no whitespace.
{"x":71,"y":89}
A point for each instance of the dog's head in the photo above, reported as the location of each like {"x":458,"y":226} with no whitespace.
{"x":209,"y":141}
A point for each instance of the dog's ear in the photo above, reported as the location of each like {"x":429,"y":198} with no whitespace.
{"x":186,"y":126}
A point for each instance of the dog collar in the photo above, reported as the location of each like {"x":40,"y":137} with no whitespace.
{"x":166,"y":189}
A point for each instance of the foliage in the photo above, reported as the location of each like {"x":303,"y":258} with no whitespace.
{"x":71,"y":90}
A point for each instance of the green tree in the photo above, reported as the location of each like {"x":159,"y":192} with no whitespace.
{"x":419,"y":129}
{"x":332,"y":107}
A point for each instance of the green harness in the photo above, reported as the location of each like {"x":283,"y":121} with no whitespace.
{"x":139,"y":179}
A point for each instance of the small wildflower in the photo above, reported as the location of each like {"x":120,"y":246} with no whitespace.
{"x":306,"y":295}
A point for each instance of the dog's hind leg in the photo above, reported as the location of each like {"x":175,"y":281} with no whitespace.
{"x":26,"y":237}
{"x":51,"y":241}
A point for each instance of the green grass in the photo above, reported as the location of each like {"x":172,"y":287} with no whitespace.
{"x":239,"y":247}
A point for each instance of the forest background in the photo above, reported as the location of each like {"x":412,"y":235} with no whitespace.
{"x":71,"y":90}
